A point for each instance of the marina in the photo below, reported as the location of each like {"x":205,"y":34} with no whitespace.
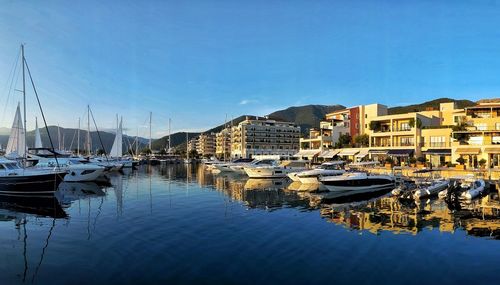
{"x":249,"y":142}
{"x":183,"y":224}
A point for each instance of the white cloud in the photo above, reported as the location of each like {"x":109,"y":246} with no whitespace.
{"x":246,"y":101}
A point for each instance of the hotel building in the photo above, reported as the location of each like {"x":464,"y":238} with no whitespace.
{"x":206,"y":145}
{"x":223,"y":144}
{"x":254,"y":137}
{"x":477,"y":137}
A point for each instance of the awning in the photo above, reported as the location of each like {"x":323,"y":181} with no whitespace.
{"x":400,"y":152}
{"x":329,"y":153}
{"x":377,"y":151}
{"x":492,"y":150}
{"x":467,"y":150}
{"x":309,"y":153}
{"x":348,"y":151}
{"x":362,"y":153}
{"x":437,"y":151}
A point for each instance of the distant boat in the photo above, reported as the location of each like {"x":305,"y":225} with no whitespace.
{"x":117,"y":148}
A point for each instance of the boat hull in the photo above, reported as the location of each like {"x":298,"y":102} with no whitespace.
{"x":32,"y":184}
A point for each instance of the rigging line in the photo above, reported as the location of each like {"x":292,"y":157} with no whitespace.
{"x":98,"y":134}
{"x":41,"y":111}
{"x":13,"y":70}
{"x":72,"y":139}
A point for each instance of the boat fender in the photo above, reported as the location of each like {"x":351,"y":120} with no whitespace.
{"x":73,"y":173}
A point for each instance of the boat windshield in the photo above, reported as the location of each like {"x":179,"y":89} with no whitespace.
{"x":11,"y":165}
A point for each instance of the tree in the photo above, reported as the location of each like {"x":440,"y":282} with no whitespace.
{"x":411,"y":123}
{"x":461,"y":160}
{"x":419,"y":123}
{"x":146,"y":151}
{"x":100,"y":151}
{"x":362,"y":140}
{"x":459,"y":134}
{"x":344,"y":141}
{"x":482,"y":162}
{"x":163,"y":151}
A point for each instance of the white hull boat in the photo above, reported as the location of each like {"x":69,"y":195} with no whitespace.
{"x":356,"y":183}
{"x":429,"y":190}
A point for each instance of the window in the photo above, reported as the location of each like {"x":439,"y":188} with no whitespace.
{"x":437,"y":141}
{"x":476,"y":140}
{"x":481,"y":126}
{"x":497,"y":126}
{"x":404,"y":127}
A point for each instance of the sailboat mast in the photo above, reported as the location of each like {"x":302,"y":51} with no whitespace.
{"x":150,"y":118}
{"x":24,"y":100}
{"x":169,"y":134}
{"x":88,"y":129}
{"x":187,"y":146}
{"x":78,"y":139}
{"x":137,"y":143}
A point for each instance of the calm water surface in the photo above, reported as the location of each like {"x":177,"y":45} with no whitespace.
{"x":184,"y":225}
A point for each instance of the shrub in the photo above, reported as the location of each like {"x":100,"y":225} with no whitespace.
{"x":461,"y":160}
{"x":421,"y":159}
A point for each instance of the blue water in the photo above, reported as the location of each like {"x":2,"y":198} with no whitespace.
{"x":170,"y":225}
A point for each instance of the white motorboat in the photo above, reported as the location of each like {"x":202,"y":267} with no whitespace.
{"x":426,"y":189}
{"x":260,"y":162}
{"x":76,"y":168}
{"x":326,"y":169}
{"x":351,"y":183}
{"x":274,"y":171}
{"x":226,"y":167}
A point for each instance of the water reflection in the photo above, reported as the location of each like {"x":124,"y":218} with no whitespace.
{"x":374,"y":213}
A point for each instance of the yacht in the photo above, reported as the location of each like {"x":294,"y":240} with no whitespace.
{"x":325,"y":169}
{"x":240,"y":167}
{"x":351,"y":183}
{"x":15,"y":179}
{"x":77,"y":169}
{"x":275,"y":170}
{"x":224,"y":167}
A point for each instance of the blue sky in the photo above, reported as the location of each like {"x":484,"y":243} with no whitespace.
{"x":196,"y":61}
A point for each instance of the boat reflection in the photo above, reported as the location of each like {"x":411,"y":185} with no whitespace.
{"x":42,"y":206}
{"x":266,"y":194}
{"x":72,"y":191}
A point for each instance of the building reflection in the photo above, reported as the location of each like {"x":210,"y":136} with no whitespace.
{"x":480,"y":218}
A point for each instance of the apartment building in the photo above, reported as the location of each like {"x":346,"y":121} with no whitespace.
{"x":192,"y":143}
{"x":206,"y":145}
{"x":350,"y":121}
{"x":257,"y":136}
{"x":416,"y":134}
{"x":223,"y":144}
{"x":477,"y":139}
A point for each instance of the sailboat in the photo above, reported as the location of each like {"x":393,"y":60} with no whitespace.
{"x":117,"y":149}
{"x":16,"y":178}
{"x":16,"y":146}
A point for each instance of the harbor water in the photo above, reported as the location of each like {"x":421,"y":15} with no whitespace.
{"x":182,"y":224}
